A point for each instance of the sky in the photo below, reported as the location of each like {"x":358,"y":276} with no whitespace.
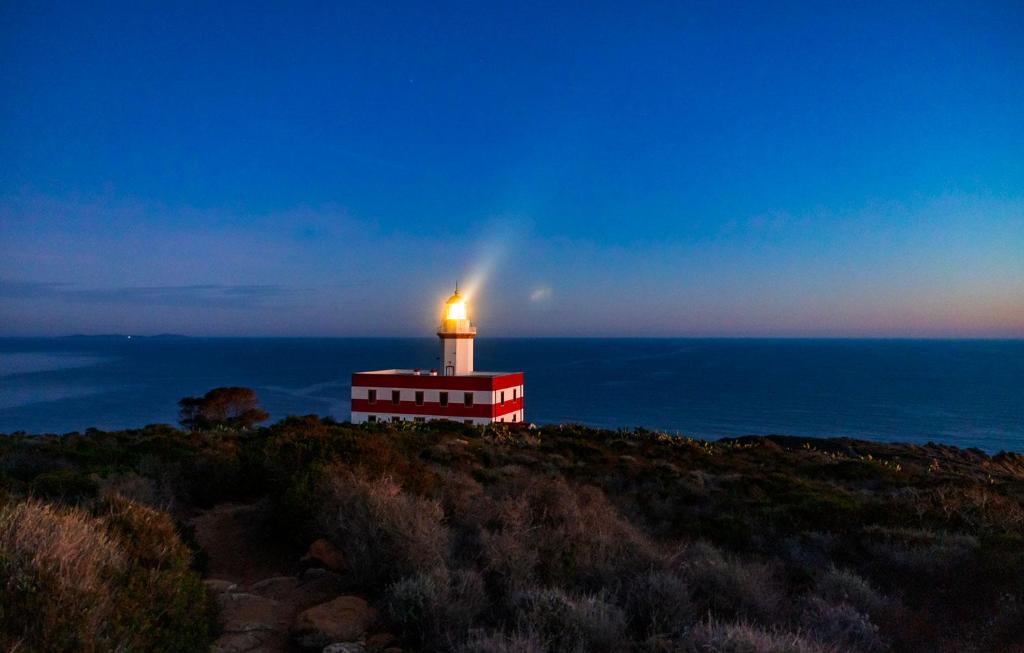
{"x":582,"y":169}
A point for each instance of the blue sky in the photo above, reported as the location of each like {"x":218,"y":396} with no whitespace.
{"x":601,"y":169}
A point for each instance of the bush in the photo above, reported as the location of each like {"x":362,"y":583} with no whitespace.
{"x":746,"y":638}
{"x":658,"y":604}
{"x":119,"y":581}
{"x":728,"y":587}
{"x":385,"y":533}
{"x":64,"y":485}
{"x":496,"y":642}
{"x":55,"y":564}
{"x":436,"y":608}
{"x":567,"y":623}
{"x":841,"y":625}
{"x":564,"y":536}
{"x":843,"y":586}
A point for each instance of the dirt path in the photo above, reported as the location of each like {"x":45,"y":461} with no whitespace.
{"x":258,"y":584}
{"x":238,"y":541}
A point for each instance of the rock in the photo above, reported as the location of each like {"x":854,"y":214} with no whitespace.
{"x":313,"y":573}
{"x":380,"y":641}
{"x":325,"y":554}
{"x":247,"y":620}
{"x":345,"y":619}
{"x":218,"y":586}
{"x":344,"y":647}
{"x":241,"y":612}
{"x":318,"y":588}
{"x":240,"y":642}
{"x":277,"y":588}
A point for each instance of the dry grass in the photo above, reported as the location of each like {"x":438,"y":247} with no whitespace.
{"x":56,"y":562}
{"x":743,"y":637}
{"x":119,"y":580}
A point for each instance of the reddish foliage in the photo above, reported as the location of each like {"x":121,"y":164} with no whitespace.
{"x":232,"y":407}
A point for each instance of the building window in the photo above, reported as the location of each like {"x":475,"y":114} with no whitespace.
{"x":502,"y":419}
{"x":396,"y":418}
{"x":371,"y":418}
{"x":396,"y":397}
{"x":468,"y":398}
{"x":371,"y":396}
{"x":515,"y":417}
{"x":502,"y":396}
{"x":468,"y":422}
{"x":515,"y":393}
{"x":419,"y":419}
{"x":444,"y":399}
{"x":419,"y":397}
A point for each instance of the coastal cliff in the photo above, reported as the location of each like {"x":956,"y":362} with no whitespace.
{"x":312,"y":535}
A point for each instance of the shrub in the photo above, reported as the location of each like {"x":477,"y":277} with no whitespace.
{"x":844,"y":586}
{"x":384,"y":532}
{"x":658,"y":603}
{"x":496,"y":642}
{"x":566,"y":536}
{"x":65,"y":485}
{"x":841,"y":625}
{"x":728,"y":587}
{"x":55,"y":564}
{"x":747,"y":638}
{"x":119,"y":581}
{"x":567,"y":623}
{"x":146,"y":535}
{"x":510,"y":559}
{"x":436,"y":608}
{"x":912,"y":551}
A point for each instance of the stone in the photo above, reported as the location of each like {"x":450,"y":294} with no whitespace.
{"x":279,"y":588}
{"x":324,"y":553}
{"x":318,"y":588}
{"x":313,"y":573}
{"x":218,"y":586}
{"x":248,"y":621}
{"x":345,"y":619}
{"x":242,"y":612}
{"x":240,"y":642}
{"x":380,"y":641}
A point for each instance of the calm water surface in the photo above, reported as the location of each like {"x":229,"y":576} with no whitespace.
{"x":967,"y":393}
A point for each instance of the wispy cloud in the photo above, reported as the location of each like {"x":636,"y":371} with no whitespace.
{"x":541,"y":294}
{"x":204,"y":295}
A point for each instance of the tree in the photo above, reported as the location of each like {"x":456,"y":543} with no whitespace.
{"x":228,"y":407}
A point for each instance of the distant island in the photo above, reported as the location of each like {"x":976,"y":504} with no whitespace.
{"x":314,"y":535}
{"x":124,"y":336}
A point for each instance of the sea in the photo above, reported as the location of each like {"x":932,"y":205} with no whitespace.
{"x":968,"y":393}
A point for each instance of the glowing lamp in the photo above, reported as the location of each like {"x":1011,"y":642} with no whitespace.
{"x":455,"y":308}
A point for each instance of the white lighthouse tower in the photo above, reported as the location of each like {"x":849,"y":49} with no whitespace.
{"x":455,"y":392}
{"x":456,"y":333}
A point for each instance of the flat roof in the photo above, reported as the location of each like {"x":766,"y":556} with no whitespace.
{"x":396,"y":378}
{"x":401,"y":372}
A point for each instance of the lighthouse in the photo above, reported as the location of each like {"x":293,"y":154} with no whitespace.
{"x":456,"y":333}
{"x":452,"y":390}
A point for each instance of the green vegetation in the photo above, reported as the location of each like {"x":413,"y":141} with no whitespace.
{"x":558,"y":539}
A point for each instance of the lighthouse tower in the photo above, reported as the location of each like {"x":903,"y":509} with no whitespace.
{"x":456,"y":392}
{"x":456,"y":333}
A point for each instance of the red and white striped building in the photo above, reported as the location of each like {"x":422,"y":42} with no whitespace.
{"x":457,"y":393}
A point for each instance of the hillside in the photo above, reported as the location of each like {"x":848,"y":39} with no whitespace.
{"x":312,"y":535}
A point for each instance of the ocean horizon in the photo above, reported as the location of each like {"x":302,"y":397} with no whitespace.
{"x":962,"y":392}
